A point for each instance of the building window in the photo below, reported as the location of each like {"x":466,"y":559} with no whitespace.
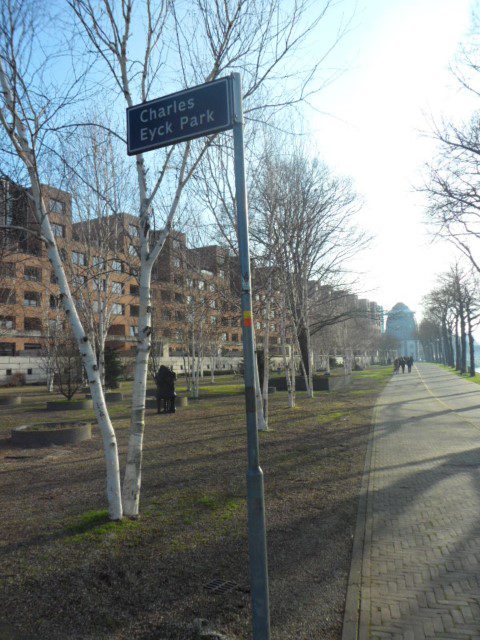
{"x":201,"y":284}
{"x":57,"y":206}
{"x":117,"y":288}
{"x":29,"y":372}
{"x":234,"y":337}
{"x":213,"y":320}
{"x":58,"y":230}
{"x":78,"y":281}
{"x":53,"y":278}
{"x":9,"y":372}
{"x":134,"y":290}
{"x":176,"y":263}
{"x":166,"y":314}
{"x":34,"y":274}
{"x":133,"y":331}
{"x":33,"y":347}
{"x":221,"y":273}
{"x":224,"y":337}
{"x":117,"y":266}
{"x":180,"y":316}
{"x":134,"y":310}
{"x":176,"y":244}
{"x":133,"y":230}
{"x":118,"y":309}
{"x":166,"y":295}
{"x":32,"y":324}
{"x":213,"y":304}
{"x":133,"y":251}
{"x":32,"y":299}
{"x":7,"y":323}
{"x":53,"y":302}
{"x":179,"y":297}
{"x":63,"y":255}
{"x":79,"y":258}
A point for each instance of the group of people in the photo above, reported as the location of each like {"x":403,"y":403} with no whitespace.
{"x":165,"y":392}
{"x":404,"y":361}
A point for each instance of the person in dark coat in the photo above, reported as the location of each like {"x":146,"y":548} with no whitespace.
{"x":165,"y":382}
{"x":171,"y":390}
{"x":402,"y":364}
{"x":410,"y":364}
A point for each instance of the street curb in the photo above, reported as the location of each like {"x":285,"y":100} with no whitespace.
{"x":357,"y":602}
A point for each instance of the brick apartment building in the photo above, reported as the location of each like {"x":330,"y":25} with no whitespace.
{"x":190,"y":287}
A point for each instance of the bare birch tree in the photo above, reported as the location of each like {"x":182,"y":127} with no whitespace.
{"x":106,"y":238}
{"x":304,"y":218}
{"x":29,"y":104}
{"x":199,"y":41}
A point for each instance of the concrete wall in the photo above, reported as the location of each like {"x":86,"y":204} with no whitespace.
{"x":29,"y":365}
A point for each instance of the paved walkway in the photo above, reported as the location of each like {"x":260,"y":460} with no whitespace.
{"x":416,"y":562}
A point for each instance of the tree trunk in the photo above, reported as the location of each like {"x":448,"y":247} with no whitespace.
{"x":457,"y":347}
{"x":133,"y":470}
{"x":471,"y":342}
{"x":286,"y":364}
{"x":261,"y":426}
{"x":463,"y":341}
{"x":266,"y":354}
{"x":304,"y":348}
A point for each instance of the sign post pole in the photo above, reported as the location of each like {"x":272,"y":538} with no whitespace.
{"x":198,"y":111}
{"x":257,"y":540}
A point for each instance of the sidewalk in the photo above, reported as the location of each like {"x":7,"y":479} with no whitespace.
{"x":416,"y":558}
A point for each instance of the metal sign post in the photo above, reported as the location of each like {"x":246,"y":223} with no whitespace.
{"x":199,"y":111}
{"x":257,"y":539}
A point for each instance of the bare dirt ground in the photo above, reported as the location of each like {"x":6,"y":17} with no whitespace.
{"x":67,"y":573}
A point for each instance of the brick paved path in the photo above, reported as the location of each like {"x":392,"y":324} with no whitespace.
{"x":419,"y":572}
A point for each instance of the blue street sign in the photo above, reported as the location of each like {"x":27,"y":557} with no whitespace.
{"x":195,"y":112}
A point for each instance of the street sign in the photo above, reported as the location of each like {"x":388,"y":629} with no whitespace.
{"x":205,"y":109}
{"x":198,"y":111}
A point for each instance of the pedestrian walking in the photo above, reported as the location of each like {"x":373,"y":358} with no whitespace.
{"x":410,"y":364}
{"x":402,"y":364}
{"x":396,"y":365}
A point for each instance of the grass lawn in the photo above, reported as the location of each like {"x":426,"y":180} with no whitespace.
{"x":465,"y":376}
{"x":67,"y":572}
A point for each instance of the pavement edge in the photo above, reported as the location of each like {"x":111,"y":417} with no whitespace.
{"x":357,"y":605}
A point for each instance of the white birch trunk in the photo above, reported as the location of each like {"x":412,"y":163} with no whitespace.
{"x":261,"y":426}
{"x":286,"y":363}
{"x":133,"y":471}
{"x":19,"y":139}
{"x":310,"y":364}
{"x":293,"y":376}
{"x":266,"y":354}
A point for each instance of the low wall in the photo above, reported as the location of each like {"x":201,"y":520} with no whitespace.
{"x":28,"y":365}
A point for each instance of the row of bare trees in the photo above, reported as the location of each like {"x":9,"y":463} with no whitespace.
{"x":55,"y":68}
{"x":451,"y":314}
